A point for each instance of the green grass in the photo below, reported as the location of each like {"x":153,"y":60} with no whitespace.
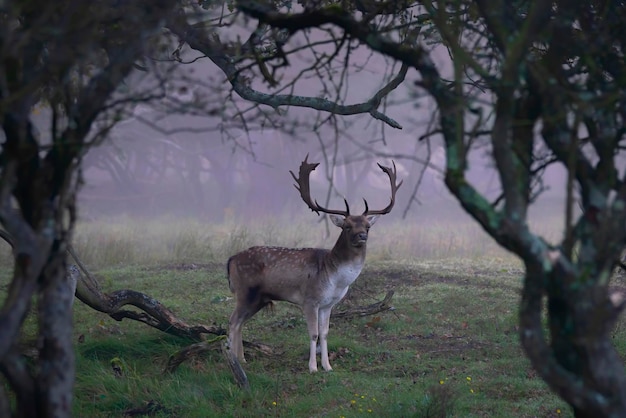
{"x":449,"y":348}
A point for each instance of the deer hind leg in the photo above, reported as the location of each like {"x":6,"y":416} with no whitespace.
{"x":234,"y":334}
{"x":311,"y":316}
{"x":243,"y":311}
{"x":324,"y":325}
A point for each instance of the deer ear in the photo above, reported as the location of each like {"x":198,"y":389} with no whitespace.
{"x":372,"y":219}
{"x":337,"y":220}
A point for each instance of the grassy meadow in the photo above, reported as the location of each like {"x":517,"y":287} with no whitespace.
{"x":448,"y":349}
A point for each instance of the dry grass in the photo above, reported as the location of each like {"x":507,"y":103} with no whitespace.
{"x":125,"y":241}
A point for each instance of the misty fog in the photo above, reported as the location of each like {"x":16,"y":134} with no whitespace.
{"x":156,"y":162}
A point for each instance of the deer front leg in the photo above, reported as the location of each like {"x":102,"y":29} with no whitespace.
{"x":324,"y":325}
{"x":311,"y":315}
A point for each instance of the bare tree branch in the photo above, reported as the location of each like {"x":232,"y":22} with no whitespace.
{"x":198,"y":39}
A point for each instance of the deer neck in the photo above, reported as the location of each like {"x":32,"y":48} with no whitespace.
{"x":344,"y":253}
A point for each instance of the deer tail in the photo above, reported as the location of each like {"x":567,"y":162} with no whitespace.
{"x":228,"y":274}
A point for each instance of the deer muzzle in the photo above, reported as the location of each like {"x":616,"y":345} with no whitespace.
{"x":359,"y":239}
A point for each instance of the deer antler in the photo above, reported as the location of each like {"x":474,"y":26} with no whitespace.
{"x":394,"y":189}
{"x":303,"y":186}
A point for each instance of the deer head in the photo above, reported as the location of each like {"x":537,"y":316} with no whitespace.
{"x":355,"y":228}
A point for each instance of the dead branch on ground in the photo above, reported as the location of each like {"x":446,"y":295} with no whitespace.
{"x":381,"y":306}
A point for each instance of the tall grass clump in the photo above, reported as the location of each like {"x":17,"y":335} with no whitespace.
{"x":126,"y":240}
{"x":437,"y":402}
{"x":108,"y":243}
{"x":234,"y":241}
{"x":431,"y":240}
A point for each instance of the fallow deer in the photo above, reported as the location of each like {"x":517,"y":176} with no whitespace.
{"x":313,"y":278}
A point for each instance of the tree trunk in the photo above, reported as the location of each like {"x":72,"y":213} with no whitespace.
{"x":581,"y":342}
{"x":55,"y":380}
{"x":45,"y":389}
{"x":579,"y":363}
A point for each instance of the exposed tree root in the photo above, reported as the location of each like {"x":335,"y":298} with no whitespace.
{"x":383,"y":305}
{"x":154,"y":312}
{"x":197,"y":349}
{"x":194,"y":350}
{"x":189,"y":352}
